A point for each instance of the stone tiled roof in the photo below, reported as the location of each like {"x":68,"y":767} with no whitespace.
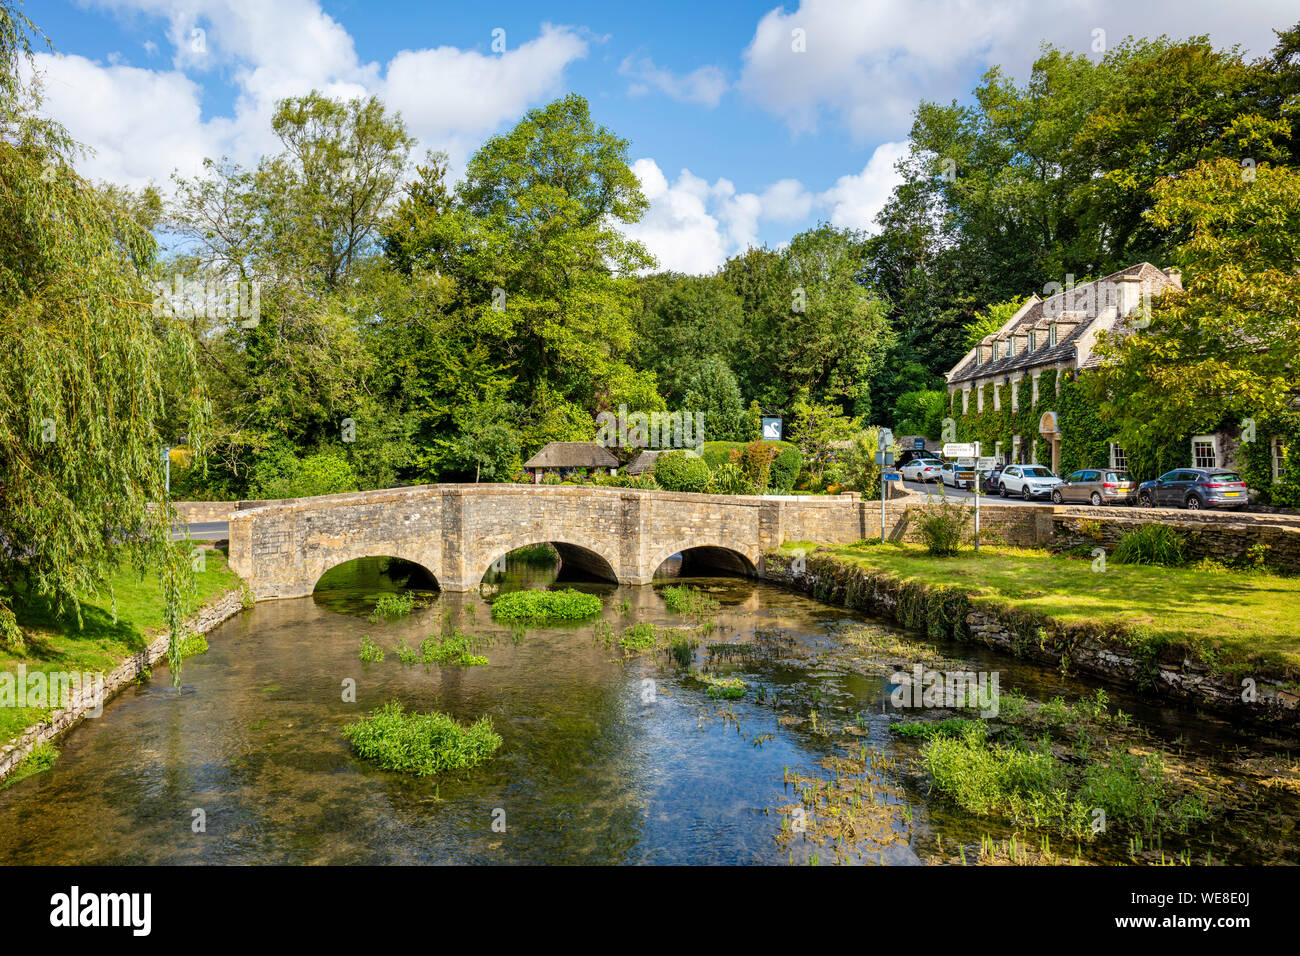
{"x":642,"y":463}
{"x":572,"y":454}
{"x":1083,"y":305}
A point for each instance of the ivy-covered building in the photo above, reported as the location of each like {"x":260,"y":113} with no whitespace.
{"x":1017,"y":392}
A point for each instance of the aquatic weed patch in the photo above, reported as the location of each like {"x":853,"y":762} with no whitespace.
{"x":689,"y":601}
{"x":370,"y":652}
{"x":389,"y":607}
{"x":727,"y":688}
{"x":541,"y":607}
{"x":421,"y":744}
{"x":454,"y":649}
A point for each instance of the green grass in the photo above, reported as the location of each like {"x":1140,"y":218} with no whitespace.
{"x":421,"y":744}
{"x":55,"y":644}
{"x":40,"y":759}
{"x":1227,"y":618}
{"x":541,"y":607}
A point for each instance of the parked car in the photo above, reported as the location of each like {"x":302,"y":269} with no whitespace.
{"x":1195,"y":488}
{"x":963,"y":477}
{"x":1098,"y":486}
{"x":922,"y":469}
{"x":990,"y":481}
{"x":1028,"y":481}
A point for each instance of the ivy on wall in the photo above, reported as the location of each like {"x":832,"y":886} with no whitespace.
{"x":1085,"y":437}
{"x":1256,"y":460}
{"x":990,"y":427}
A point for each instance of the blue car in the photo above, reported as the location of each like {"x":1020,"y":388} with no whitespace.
{"x":1195,"y":488}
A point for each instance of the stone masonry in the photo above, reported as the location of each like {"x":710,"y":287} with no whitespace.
{"x":456,"y":532}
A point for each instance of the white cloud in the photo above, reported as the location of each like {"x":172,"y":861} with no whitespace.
{"x":678,"y":228}
{"x":868,"y":63}
{"x":144,"y":123}
{"x":693,"y":226}
{"x":855,"y":199}
{"x":704,"y":85}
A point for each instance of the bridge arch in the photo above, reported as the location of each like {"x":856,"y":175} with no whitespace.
{"x":708,"y":556}
{"x":423,"y":576}
{"x":595,"y":559}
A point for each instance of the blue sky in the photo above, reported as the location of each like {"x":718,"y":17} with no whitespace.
{"x":747,"y":121}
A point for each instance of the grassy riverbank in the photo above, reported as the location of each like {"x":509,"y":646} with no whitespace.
{"x":57,"y":645}
{"x":1228,"y":619}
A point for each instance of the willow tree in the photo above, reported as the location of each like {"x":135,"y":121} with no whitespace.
{"x":82,"y":372}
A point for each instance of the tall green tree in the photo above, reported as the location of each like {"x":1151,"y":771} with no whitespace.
{"x":1227,"y":348}
{"x":82,"y":378}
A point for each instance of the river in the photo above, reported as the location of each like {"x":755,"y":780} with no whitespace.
{"x":607,"y":758}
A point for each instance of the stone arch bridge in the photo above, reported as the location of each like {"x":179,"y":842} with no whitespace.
{"x":457,"y":532}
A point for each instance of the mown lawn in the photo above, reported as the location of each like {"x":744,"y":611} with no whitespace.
{"x":55,"y":644}
{"x":1237,"y":615}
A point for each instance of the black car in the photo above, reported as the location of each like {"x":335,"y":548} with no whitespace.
{"x":1195,"y":488}
{"x":990,"y":480}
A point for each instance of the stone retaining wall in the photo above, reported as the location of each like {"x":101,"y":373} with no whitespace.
{"x":1100,"y":654}
{"x":61,"y":720}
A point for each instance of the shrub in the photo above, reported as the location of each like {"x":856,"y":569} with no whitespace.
{"x":755,"y":461}
{"x":730,"y":479}
{"x":1151,"y":544}
{"x":422,"y":744}
{"x":288,"y":476}
{"x":784,"y":469}
{"x":539,"y":607}
{"x":678,"y":471}
{"x":943,"y":528}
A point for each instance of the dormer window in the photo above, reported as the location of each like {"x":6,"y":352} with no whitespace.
{"x":1033,"y":340}
{"x":1051,"y":334}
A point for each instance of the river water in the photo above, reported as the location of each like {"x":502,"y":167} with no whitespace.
{"x":607,"y":758}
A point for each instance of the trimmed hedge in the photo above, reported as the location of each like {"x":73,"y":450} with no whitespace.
{"x":678,"y":471}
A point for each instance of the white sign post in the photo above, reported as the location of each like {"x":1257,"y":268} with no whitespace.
{"x":886,"y":438}
{"x":977,"y":496}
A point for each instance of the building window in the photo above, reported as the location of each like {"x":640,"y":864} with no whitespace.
{"x":997,"y":396}
{"x":1051,"y":334}
{"x":1034,"y":398}
{"x":997,"y":450}
{"x":1278,"y":456}
{"x":1205,"y":451}
{"x":1015,"y":449}
{"x":1118,"y":457}
{"x":965,"y":400}
{"x":1033,"y":340}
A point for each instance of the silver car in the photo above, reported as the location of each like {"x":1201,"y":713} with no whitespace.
{"x":1097,"y":486}
{"x":1028,"y":481}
